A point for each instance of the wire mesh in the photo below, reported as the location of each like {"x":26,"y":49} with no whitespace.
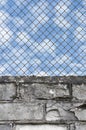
{"x":43,"y":37}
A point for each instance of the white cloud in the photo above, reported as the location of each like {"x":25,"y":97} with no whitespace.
{"x":5,"y":35}
{"x":18,"y":22}
{"x":34,"y":62}
{"x":81,"y":16}
{"x":62,"y":8}
{"x":2,"y":69}
{"x":76,"y":73}
{"x":66,"y":2}
{"x":61,"y":22}
{"x":44,"y":47}
{"x":80,"y":34}
{"x":6,"y":74}
{"x":21,"y":70}
{"x":61,"y":59}
{"x":57,"y":72}
{"x":39,"y":8}
{"x":16,"y":65}
{"x":17,"y":57}
{"x":83,"y":48}
{"x":21,"y":64}
{"x":40,"y":20}
{"x":41,"y":73}
{"x":4,"y":17}
{"x":75,"y":65}
{"x":15,"y":68}
{"x":3,"y":2}
{"x":23,"y":38}
{"x":20,"y":2}
{"x":20,"y":56}
{"x":18,"y":52}
{"x":84,"y":2}
{"x":22,"y":61}
{"x":39,"y":14}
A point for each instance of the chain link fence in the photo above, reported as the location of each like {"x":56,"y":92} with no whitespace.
{"x":42,"y":37}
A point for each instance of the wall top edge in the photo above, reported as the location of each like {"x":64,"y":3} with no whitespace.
{"x":44,"y":79}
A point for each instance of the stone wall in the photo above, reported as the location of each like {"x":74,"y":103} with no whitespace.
{"x":50,"y":103}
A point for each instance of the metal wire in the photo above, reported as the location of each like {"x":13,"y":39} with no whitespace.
{"x":43,"y":37}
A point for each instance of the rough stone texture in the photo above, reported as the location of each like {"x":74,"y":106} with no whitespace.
{"x":44,"y":79}
{"x":5,"y":127}
{"x":43,"y":91}
{"x":59,"y":111}
{"x":72,"y":127}
{"x":41,"y":127}
{"x":21,"y":111}
{"x":79,"y":91}
{"x":7,"y":91}
{"x":80,"y":110}
{"x":80,"y":114}
{"x":80,"y":126}
{"x":29,"y":103}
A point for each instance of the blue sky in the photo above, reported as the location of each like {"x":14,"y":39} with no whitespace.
{"x":43,"y":37}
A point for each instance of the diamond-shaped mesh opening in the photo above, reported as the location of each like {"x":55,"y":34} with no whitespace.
{"x":43,"y":37}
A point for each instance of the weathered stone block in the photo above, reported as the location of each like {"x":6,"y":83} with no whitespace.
{"x":80,"y":114}
{"x":59,"y":111}
{"x":21,"y":111}
{"x":80,"y":126}
{"x":41,"y":127}
{"x":80,"y":111}
{"x":7,"y":91}
{"x":5,"y":127}
{"x":72,"y":126}
{"x":79,"y":91}
{"x":43,"y":91}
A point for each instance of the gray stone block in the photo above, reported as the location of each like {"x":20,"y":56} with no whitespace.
{"x":21,"y":111}
{"x":80,"y":114}
{"x":49,"y":98}
{"x":80,"y":111}
{"x":43,"y":91}
{"x":41,"y":127}
{"x":59,"y":111}
{"x":7,"y":91}
{"x":79,"y":92}
{"x":80,"y":126}
{"x":5,"y":127}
